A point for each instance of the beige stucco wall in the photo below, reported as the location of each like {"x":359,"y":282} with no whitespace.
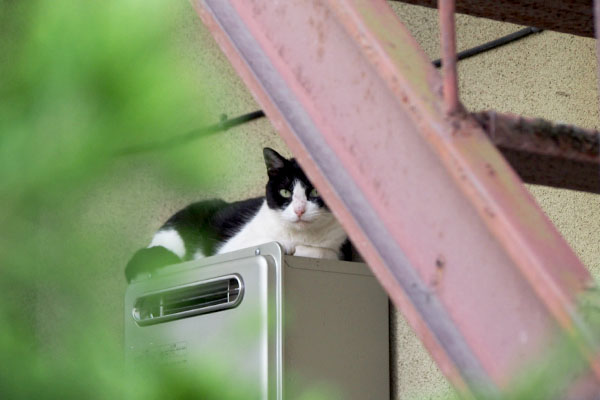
{"x":548,"y":75}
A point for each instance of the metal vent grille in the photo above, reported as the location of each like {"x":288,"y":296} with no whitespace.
{"x":192,"y":299}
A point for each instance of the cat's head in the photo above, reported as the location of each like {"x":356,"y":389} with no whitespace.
{"x":290,"y":192}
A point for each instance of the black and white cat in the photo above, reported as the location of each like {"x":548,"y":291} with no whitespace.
{"x":291,"y":213}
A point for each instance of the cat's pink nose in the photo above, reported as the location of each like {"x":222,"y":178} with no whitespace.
{"x":299,"y":212}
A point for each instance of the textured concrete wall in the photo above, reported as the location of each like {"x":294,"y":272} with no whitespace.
{"x":548,"y":75}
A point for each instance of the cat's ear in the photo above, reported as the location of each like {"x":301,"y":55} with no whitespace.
{"x":273,"y":160}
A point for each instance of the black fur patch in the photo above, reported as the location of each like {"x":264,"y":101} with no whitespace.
{"x":202,"y":226}
{"x":206,"y":224}
{"x":282,"y":175}
{"x":149,"y":260}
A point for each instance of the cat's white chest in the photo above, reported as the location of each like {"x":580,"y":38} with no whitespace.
{"x":266,"y":227}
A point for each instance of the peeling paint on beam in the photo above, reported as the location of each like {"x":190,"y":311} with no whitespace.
{"x":544,"y":153}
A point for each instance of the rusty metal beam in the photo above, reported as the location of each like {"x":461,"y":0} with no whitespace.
{"x":568,"y":16}
{"x":449,"y":230}
{"x":544,"y":153}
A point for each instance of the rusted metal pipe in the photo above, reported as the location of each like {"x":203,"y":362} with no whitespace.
{"x":448,"y":44}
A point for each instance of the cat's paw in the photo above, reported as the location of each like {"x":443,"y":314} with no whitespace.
{"x":315,"y":252}
{"x":288,"y":248}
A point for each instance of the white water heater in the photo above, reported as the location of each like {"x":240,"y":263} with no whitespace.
{"x":283,"y":323}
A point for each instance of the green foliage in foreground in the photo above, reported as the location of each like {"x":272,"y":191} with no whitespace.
{"x":79,"y":82}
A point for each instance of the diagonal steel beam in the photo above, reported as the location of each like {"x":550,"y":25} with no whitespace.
{"x":446,"y":225}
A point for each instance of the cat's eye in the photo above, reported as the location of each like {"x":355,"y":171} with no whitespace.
{"x":314,"y":193}
{"x":286,"y":194}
